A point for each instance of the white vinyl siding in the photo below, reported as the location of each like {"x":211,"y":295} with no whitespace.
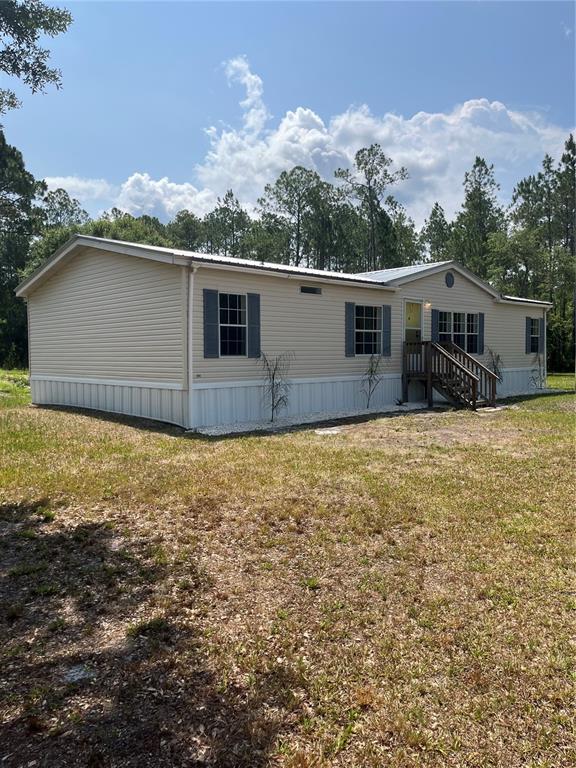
{"x":313,"y":327}
{"x":109,"y":316}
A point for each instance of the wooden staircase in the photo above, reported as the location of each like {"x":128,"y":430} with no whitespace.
{"x":449,"y":370}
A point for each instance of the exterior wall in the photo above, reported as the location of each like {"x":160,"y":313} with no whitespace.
{"x":110,"y":316}
{"x":310,"y":326}
{"x":504,"y":324}
{"x":109,"y":332}
{"x":323,"y":379}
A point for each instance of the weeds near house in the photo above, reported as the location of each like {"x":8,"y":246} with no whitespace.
{"x":398,"y":596}
{"x":277,"y":386}
{"x":495,"y":363}
{"x":371,"y":377}
{"x":538,"y":373}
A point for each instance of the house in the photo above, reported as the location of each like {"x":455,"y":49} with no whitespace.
{"x":178,"y":336}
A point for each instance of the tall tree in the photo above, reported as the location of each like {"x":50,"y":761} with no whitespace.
{"x":19,"y":221}
{"x":186,"y":231}
{"x":290,"y":198}
{"x":408,"y":244}
{"x":61,"y":210}
{"x":268,"y":239}
{"x":480,"y":216}
{"x":21,"y":26}
{"x":436,"y":234}
{"x":566,"y":196}
{"x":368,"y":183}
{"x":225,"y":226}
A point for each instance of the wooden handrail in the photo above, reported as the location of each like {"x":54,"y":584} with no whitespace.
{"x":450,"y":369}
{"x":473,"y":360}
{"x":454,"y":361}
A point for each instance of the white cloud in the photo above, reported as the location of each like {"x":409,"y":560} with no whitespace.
{"x":161,"y":197}
{"x":83,"y":189}
{"x":436,"y":148}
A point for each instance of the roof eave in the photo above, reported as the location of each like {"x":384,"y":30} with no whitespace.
{"x":168,"y":256}
{"x":515,"y":300}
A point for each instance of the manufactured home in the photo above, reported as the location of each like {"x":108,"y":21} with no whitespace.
{"x":179,"y":336}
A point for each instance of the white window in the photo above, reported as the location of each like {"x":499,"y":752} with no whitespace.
{"x":459,"y":330}
{"x":460,"y":327}
{"x":232,"y":316}
{"x":368,"y":330}
{"x":444,"y":326}
{"x":534,"y":335}
{"x":471,"y":333}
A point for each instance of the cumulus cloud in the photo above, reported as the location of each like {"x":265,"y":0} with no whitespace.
{"x":83,"y":189}
{"x":141,"y":194}
{"x":436,"y":148}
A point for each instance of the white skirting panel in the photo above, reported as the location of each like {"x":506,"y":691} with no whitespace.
{"x":238,"y":402}
{"x":517,"y":381}
{"x":158,"y":402}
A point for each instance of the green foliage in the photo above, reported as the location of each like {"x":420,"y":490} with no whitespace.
{"x":479,"y":217}
{"x":19,"y":221}
{"x":226,"y":226}
{"x":367,"y":183}
{"x":354,"y":226}
{"x":436,"y":234}
{"x":21,"y":26}
{"x":290,"y":198}
{"x":185,"y":231}
{"x":61,"y":210}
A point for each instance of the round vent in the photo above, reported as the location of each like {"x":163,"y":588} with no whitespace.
{"x":449,"y":279}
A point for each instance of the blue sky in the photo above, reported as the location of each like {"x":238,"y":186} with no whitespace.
{"x":166,"y":105}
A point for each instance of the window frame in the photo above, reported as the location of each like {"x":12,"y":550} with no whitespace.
{"x":233,"y":325}
{"x":378,"y":331}
{"x":534,"y":321}
{"x":445,"y":322}
{"x":465,"y":334}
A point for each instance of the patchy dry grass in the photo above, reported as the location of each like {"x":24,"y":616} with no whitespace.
{"x":397,"y":594}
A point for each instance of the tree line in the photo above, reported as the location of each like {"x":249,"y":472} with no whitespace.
{"x":352,"y":223}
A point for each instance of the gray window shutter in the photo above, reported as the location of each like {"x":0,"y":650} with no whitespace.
{"x":211,"y":323}
{"x":350,"y":329}
{"x":480,"y":333}
{"x":435,"y":323}
{"x":386,"y":330}
{"x":541,"y":336}
{"x":528,"y":333}
{"x":253,"y":324}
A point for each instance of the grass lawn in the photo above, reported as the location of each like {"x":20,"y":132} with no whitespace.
{"x":397,"y":594}
{"x":561,"y":381}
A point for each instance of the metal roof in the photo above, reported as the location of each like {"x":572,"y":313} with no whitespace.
{"x":527,"y":301}
{"x":387,"y":275}
{"x":385,"y":279}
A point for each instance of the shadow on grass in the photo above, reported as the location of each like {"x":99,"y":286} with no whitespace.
{"x":164,"y":428}
{"x":100,"y":663}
